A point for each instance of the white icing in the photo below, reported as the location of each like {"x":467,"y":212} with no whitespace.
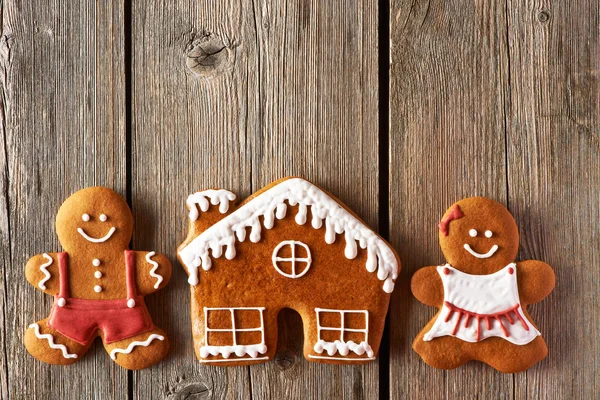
{"x":95,"y":240}
{"x":44,"y":269}
{"x":488,"y":234}
{"x":95,"y":262}
{"x":85,"y":217}
{"x":293,"y":259}
{"x":50,"y":339}
{"x":299,"y":192}
{"x":97,"y":289}
{"x":153,"y":273}
{"x":103,"y":217}
{"x":479,"y":255}
{"x":253,"y":350}
{"x":484,"y":295}
{"x":131,"y":303}
{"x":61,"y":302}
{"x":202,"y":199}
{"x":472,"y":233}
{"x":145,"y":343}
{"x":340,"y":345}
{"x":98,"y":274}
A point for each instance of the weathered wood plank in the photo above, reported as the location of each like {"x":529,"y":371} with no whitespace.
{"x":189,"y":133}
{"x":448,"y":85}
{"x":554,"y":183}
{"x":62,"y":123}
{"x":267,"y":90}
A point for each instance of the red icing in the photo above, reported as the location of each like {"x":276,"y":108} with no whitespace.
{"x":455,"y":213}
{"x":79,"y":319}
{"x":511,"y":270}
{"x":446,"y":271}
{"x":468,"y":314}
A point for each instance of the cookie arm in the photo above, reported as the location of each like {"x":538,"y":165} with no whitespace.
{"x":153,"y":271}
{"x":426,"y":285}
{"x":535,"y":279}
{"x":43,"y":273}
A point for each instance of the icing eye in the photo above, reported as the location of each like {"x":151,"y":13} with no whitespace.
{"x":104,"y":217}
{"x":488,"y":234}
{"x":85,"y":217}
{"x":472,"y":233}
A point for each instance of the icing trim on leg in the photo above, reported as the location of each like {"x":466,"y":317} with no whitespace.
{"x":129,"y":349}
{"x":51,"y":343}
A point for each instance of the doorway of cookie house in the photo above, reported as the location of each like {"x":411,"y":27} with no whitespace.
{"x":290,"y":339}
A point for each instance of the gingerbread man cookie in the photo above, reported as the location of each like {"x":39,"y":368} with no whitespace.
{"x":481,"y":292}
{"x":98,"y":286}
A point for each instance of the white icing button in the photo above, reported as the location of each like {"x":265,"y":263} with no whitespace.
{"x":98,"y":274}
{"x":95,"y":262}
{"x":61,"y":302}
{"x":85,"y":217}
{"x":488,"y":234}
{"x":131,"y":303}
{"x":472,"y":233}
{"x":97,"y":289}
{"x":102,"y":217}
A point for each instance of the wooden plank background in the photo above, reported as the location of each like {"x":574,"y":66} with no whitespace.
{"x":497,"y":97}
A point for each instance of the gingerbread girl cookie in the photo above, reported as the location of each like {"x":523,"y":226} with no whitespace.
{"x":98,"y":286}
{"x":481,"y":292}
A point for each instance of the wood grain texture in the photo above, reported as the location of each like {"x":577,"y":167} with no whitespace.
{"x":448,"y":86}
{"x":236,"y":95}
{"x":554,"y":183}
{"x":62,"y":122}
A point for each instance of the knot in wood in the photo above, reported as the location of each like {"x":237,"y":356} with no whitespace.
{"x":208,"y":56}
{"x":544,"y":16}
{"x":191,"y":389}
{"x":285,"y":359}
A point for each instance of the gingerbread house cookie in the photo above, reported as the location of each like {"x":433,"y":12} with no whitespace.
{"x":290,"y":245}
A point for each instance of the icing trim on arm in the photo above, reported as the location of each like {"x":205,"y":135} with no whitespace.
{"x":44,"y":269}
{"x":218,"y":196}
{"x":50,"y":339}
{"x":153,"y":273}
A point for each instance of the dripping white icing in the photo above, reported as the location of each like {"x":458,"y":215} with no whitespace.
{"x":299,"y":192}
{"x":44,"y":269}
{"x":344,"y":348}
{"x":219,"y":196}
{"x":51,"y":343}
{"x":145,"y":343}
{"x":153,"y":273}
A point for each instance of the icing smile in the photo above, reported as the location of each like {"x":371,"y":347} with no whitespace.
{"x":94,"y":240}
{"x":479,"y":255}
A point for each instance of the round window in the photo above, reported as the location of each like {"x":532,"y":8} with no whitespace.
{"x":291,"y":258}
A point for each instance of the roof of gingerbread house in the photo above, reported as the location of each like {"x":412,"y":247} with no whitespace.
{"x":271,"y":204}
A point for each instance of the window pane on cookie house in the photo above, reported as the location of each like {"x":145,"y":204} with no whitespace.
{"x":247,"y":319}
{"x":285,"y":267}
{"x":355,"y":320}
{"x":220,"y":338}
{"x":356,"y":337}
{"x":330,"y":336}
{"x":247,"y":338}
{"x":330,"y":319}
{"x":300,"y":252}
{"x":219,"y":319}
{"x":285,"y":251}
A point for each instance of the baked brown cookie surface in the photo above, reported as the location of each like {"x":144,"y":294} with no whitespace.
{"x":98,"y":286}
{"x":481,"y":292}
{"x":290,"y":245}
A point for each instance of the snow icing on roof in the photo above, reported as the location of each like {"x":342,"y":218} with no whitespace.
{"x":270,"y":205}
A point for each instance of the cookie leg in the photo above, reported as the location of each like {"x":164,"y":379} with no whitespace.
{"x":443,"y":352}
{"x":48,"y":345}
{"x":140,"y":351}
{"x":511,"y":358}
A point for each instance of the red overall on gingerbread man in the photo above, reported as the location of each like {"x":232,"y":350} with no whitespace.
{"x":98,"y":286}
{"x":481,"y":292}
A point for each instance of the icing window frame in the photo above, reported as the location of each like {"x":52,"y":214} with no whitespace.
{"x":342,"y":329}
{"x":293,"y":259}
{"x":233,"y":329}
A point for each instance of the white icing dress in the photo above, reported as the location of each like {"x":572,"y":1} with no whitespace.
{"x":477,"y":307}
